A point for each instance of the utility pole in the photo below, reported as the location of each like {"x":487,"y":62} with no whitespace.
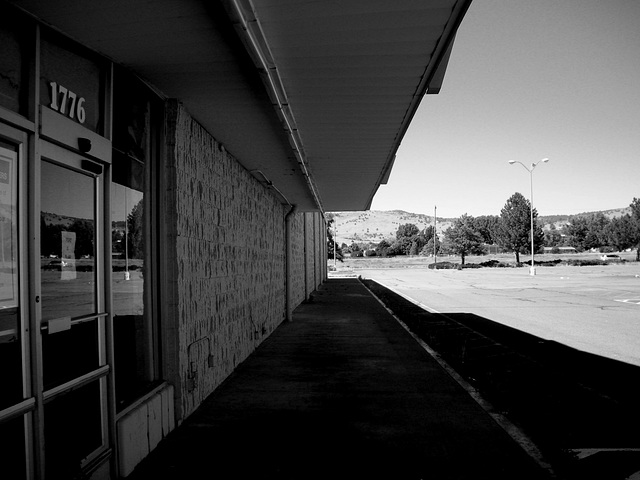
{"x":335,"y":234}
{"x":435,"y":223}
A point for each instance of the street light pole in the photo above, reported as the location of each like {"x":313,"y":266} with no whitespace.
{"x":532,"y":269}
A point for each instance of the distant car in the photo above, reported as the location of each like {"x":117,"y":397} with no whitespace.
{"x":610,"y":257}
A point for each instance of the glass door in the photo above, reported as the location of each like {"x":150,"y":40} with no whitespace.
{"x":72,"y":311}
{"x":16,"y":399}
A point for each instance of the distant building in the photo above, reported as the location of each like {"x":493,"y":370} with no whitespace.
{"x":492,"y":249}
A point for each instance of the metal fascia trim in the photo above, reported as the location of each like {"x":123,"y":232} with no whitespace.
{"x":248,"y":27}
{"x":439,"y":54}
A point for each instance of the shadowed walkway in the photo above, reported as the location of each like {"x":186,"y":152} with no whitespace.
{"x":343,"y":391}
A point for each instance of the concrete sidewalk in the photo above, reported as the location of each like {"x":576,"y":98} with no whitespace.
{"x":342,"y":392}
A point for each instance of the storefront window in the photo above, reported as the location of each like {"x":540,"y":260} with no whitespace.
{"x":10,"y":331}
{"x":135,"y":345}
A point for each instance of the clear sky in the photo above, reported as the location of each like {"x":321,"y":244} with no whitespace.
{"x":528,"y":80}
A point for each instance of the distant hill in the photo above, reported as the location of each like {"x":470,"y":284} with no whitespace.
{"x":376,"y":225}
{"x":561,"y":220}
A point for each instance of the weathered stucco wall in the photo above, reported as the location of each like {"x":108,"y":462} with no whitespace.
{"x":225,"y":245}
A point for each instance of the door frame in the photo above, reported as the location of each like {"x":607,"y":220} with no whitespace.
{"x":59,"y":138}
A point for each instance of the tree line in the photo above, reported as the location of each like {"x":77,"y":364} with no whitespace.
{"x":508,"y":232}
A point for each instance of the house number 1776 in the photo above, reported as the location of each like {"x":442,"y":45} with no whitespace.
{"x":66,"y":102}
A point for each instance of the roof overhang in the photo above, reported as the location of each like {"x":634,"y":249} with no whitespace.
{"x":313,"y":98}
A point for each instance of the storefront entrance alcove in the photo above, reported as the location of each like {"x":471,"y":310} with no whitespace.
{"x":80,"y":147}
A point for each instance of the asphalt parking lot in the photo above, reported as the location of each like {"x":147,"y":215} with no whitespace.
{"x":556,"y":353}
{"x":593,"y":309}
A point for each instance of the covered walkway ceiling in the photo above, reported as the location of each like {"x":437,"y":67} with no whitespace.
{"x":311,"y":96}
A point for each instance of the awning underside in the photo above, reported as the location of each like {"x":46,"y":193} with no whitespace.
{"x":325,"y":117}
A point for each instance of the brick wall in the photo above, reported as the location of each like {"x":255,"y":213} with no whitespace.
{"x":225,"y":248}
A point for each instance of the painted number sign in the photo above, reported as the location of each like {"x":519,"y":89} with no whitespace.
{"x":67,"y":103}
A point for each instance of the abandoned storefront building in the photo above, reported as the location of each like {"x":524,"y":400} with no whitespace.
{"x":165,"y":169}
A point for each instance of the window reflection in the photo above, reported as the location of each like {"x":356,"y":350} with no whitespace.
{"x":127,"y":234}
{"x":67,"y":247}
{"x":136,"y":116}
{"x":132,"y":331}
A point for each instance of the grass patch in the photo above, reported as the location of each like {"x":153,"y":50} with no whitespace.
{"x":502,"y":260}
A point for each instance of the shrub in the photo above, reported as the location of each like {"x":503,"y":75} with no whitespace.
{"x":370,"y":253}
{"x":543,"y":263}
{"x":443,"y":265}
{"x":490,"y":263}
{"x":495,"y":264}
{"x":504,"y":265}
{"x":585,"y":263}
{"x":546,"y":263}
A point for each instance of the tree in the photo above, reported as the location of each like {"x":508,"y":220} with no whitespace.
{"x":428,"y":248}
{"x":635,"y":216}
{"x":552,"y":237}
{"x":417,"y":244}
{"x":330,"y":252}
{"x":50,"y":243}
{"x":463,"y":238}
{"x":427,"y":233}
{"x":84,"y":230}
{"x":514,"y":233}
{"x":620,"y":232}
{"x":408,"y":240}
{"x":488,"y":227}
{"x":354,"y":248}
{"x":407,"y":230}
{"x":587,"y":232}
{"x":576,"y":231}
{"x":382,"y":249}
{"x":596,"y":230}
{"x":135,"y":233}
